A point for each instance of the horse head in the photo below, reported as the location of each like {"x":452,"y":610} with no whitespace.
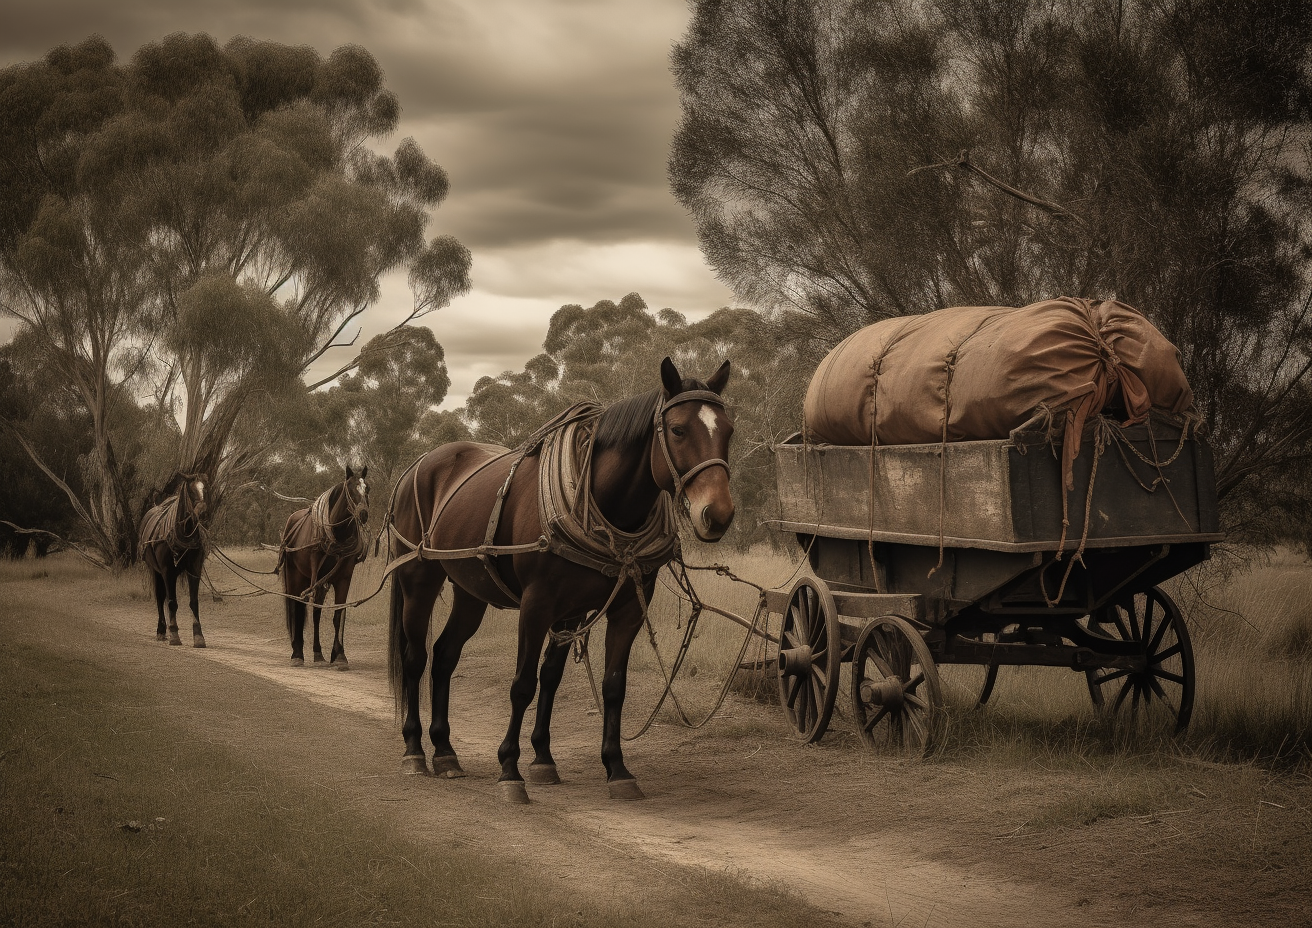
{"x":191,"y":494}
{"x":356,"y":493}
{"x":691,"y":453}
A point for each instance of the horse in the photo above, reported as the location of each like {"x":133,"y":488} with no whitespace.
{"x":615,"y":473}
{"x":321,"y":545}
{"x":173,"y":543}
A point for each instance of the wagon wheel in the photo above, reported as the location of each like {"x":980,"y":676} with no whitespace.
{"x":810,"y":653}
{"x":897,"y":699}
{"x":1161,"y":691}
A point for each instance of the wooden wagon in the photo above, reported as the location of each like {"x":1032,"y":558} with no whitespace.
{"x":956,"y":554}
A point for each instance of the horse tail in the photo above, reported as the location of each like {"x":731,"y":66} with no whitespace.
{"x":396,"y":645}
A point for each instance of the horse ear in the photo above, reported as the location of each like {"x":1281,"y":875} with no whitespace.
{"x":364,"y":472}
{"x":670,"y":379}
{"x":719,"y":379}
{"x":349,"y":473}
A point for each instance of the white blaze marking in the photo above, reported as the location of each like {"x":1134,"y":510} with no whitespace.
{"x":707,"y":415}
{"x":200,"y":489}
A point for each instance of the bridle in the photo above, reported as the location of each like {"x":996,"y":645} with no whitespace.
{"x":681,"y":481}
{"x":353,"y":508}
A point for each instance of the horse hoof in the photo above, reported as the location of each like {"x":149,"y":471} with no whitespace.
{"x":340,"y":664}
{"x":414,"y":765}
{"x":625,"y":789}
{"x":198,"y":641}
{"x":160,"y":636}
{"x":513,"y":791}
{"x":318,"y":658}
{"x":543,"y":774}
{"x":447,"y":766}
{"x":298,"y":662}
{"x":175,"y":640}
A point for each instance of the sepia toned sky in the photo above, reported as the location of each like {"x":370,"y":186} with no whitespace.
{"x":551,"y":117}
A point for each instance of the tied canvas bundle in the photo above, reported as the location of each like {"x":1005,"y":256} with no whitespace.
{"x":979,"y":372}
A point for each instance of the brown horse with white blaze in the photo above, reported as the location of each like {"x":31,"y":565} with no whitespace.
{"x":633,"y":459}
{"x":321,"y":545}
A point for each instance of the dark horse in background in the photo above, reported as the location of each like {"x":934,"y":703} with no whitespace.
{"x":445,"y":502}
{"x":173,"y":543}
{"x":321,"y":545}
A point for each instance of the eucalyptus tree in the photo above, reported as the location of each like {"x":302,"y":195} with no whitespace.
{"x":377,"y":414}
{"x":205,"y":223}
{"x":849,"y":161}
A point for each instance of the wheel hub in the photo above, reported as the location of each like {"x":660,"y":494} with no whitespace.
{"x":887,"y":692}
{"x":796,"y":662}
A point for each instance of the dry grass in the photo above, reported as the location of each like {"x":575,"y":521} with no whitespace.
{"x":1252,"y":635}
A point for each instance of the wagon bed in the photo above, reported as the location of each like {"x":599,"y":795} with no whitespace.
{"x":955,"y":553}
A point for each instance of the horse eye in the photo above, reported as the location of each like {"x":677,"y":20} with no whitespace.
{"x":678,"y":430}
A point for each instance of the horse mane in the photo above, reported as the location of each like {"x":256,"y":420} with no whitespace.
{"x":626,"y":421}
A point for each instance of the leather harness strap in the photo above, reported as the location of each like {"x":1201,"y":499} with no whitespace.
{"x":584,"y":537}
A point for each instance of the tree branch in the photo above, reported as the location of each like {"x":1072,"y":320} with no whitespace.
{"x":963,"y":161}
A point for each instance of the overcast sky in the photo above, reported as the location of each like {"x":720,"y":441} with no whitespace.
{"x":552,"y":118}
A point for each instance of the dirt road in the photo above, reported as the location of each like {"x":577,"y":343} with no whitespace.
{"x":869,"y":841}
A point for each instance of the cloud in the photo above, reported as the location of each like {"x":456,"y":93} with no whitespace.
{"x":551,"y":117}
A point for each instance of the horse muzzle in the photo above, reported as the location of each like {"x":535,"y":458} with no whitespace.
{"x":710,"y":504}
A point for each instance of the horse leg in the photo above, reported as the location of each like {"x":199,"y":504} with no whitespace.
{"x":320,"y":594}
{"x":193,"y":581}
{"x":160,"y":595}
{"x":294,"y":585}
{"x":341,"y":589}
{"x":543,"y":769}
{"x":533,"y":625}
{"x":466,"y":616}
{"x":622,"y":626}
{"x":414,"y":591}
{"x":171,"y":587}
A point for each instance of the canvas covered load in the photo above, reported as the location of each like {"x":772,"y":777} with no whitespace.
{"x":978,"y":372}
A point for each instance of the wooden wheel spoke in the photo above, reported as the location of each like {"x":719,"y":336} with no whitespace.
{"x":1157,"y":688}
{"x":1120,"y":697}
{"x":1168,"y":675}
{"x":1121,"y":627}
{"x":1169,"y":653}
{"x":796,"y":687}
{"x":911,"y":685}
{"x":875,"y":719}
{"x":1108,"y":677}
{"x":1158,"y":634}
{"x":817,"y":690}
{"x":917,"y":702}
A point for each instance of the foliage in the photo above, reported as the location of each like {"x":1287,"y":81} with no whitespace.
{"x":847,"y":162}
{"x":375,"y":415}
{"x":203,"y":223}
